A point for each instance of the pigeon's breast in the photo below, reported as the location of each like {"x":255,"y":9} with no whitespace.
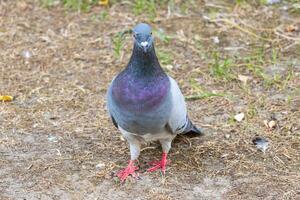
{"x":140,"y":106}
{"x":140,"y":94}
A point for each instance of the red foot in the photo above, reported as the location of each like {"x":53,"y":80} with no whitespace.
{"x":129,"y":170}
{"x":159,"y":164}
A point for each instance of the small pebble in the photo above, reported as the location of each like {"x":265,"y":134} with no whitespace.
{"x":100,"y":166}
{"x":239,"y":117}
{"x":216,"y":40}
{"x":224,"y":155}
{"x":26,"y":54}
{"x":52,"y":138}
{"x":272,"y":124}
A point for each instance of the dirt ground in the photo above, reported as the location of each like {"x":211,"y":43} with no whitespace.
{"x":57,"y":141}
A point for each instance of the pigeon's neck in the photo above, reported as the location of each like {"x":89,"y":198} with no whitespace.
{"x":144,"y":64}
{"x":143,"y":85}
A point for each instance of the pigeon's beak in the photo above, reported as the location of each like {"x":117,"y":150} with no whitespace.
{"x":145,"y":46}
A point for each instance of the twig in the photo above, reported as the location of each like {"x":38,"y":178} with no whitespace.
{"x":202,"y":96}
{"x":143,"y":149}
{"x":285,"y":36}
{"x":241,"y":28}
{"x":291,"y":45}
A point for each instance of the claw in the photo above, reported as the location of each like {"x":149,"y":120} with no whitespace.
{"x":159,"y":164}
{"x":129,"y":170}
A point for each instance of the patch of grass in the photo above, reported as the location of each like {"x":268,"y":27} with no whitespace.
{"x":186,"y":5}
{"x":274,"y":56}
{"x":161,"y":35}
{"x":221,"y":68}
{"x":231,"y":120}
{"x":251,"y":111}
{"x":289,"y":99}
{"x":201,"y":93}
{"x":204,"y":95}
{"x":196,"y":87}
{"x":240,"y":2}
{"x":49,"y":3}
{"x":78,"y":5}
{"x":202,"y":49}
{"x":295,"y":9}
{"x":262,"y":2}
{"x":259,"y":60}
{"x":101,"y":16}
{"x":271,"y":81}
{"x":164,"y":57}
{"x":289,"y":76}
{"x":256,"y":62}
{"x":199,"y":48}
{"x":118,"y":42}
{"x":145,"y":6}
{"x":279,"y":80}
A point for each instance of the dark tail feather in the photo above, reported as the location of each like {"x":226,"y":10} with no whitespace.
{"x":191,"y":129}
{"x":196,"y":130}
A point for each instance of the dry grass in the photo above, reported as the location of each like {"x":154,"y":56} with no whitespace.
{"x":56,"y":131}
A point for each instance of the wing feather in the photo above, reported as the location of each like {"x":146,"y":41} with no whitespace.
{"x":178,"y":121}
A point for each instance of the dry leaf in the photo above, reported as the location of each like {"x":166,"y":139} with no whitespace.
{"x":239,"y":117}
{"x":6,"y":98}
{"x":103,"y":2}
{"x":122,"y":138}
{"x":272,"y":124}
{"x":291,"y":28}
{"x":266,"y":123}
{"x":243,"y":79}
{"x":216,"y":40}
{"x":168,"y":67}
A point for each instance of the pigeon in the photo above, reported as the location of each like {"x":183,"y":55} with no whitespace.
{"x":146,"y":104}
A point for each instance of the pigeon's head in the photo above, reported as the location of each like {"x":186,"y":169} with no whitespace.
{"x":142,"y":34}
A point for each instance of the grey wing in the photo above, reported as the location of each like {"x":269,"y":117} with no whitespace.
{"x":178,"y":118}
{"x":179,"y":123}
{"x":108,"y":104}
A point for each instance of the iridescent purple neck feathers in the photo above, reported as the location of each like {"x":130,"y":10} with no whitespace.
{"x":143,"y":85}
{"x":143,"y":64}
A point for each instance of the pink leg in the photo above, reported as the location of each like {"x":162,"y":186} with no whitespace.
{"x":129,"y":170}
{"x":159,"y":164}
